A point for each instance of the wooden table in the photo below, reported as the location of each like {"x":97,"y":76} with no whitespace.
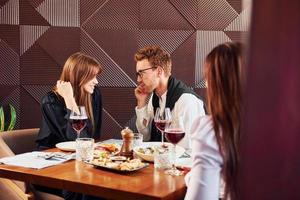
{"x":76,"y":176}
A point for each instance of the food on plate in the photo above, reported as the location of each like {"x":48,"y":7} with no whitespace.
{"x":112,"y":148}
{"x":151,"y":150}
{"x":128,"y":165}
{"x":101,"y":154}
{"x":147,"y":151}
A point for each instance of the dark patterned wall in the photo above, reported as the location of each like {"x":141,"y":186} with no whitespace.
{"x":37,"y":36}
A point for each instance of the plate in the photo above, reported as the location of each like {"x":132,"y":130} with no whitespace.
{"x":150,"y":156}
{"x":67,"y":146}
{"x":98,"y":165}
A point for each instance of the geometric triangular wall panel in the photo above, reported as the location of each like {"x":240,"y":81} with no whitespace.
{"x":9,"y":12}
{"x":110,"y":127}
{"x":29,"y":34}
{"x":29,"y":15}
{"x":38,"y":67}
{"x":215,"y":14}
{"x":242,"y":22}
{"x":188,"y":9}
{"x":121,"y":50}
{"x":240,"y":36}
{"x":206,"y":41}
{"x":89,"y":8}
{"x":37,"y":91}
{"x":183,"y":66}
{"x":236,"y":5}
{"x":157,"y":15}
{"x":116,"y":100}
{"x":60,"y":12}
{"x":10,"y":34}
{"x":30,"y":110}
{"x":66,"y":38}
{"x":168,"y":39}
{"x":115,"y":14}
{"x":113,"y":75}
{"x":9,"y":62}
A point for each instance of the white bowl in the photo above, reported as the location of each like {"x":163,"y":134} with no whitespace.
{"x":150,"y":157}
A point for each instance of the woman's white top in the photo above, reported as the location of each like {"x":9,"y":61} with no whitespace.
{"x":204,"y":180}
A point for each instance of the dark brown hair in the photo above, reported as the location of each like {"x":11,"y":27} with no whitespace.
{"x":224,"y":96}
{"x":78,"y":70}
{"x":156,"y":57}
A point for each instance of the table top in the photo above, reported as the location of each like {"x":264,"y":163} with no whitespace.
{"x":147,"y":183}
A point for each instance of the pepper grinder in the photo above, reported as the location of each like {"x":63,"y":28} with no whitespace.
{"x":127,"y":136}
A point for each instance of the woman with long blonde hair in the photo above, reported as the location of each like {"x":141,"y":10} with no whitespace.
{"x":215,"y":137}
{"x":76,"y":87}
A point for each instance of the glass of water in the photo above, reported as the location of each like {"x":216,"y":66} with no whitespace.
{"x":137,"y":139}
{"x":84,"y":149}
{"x":162,"y":158}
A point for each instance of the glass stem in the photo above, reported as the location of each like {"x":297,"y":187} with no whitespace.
{"x":162,"y":138}
{"x":174,"y":156}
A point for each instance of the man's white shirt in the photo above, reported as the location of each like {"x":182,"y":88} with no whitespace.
{"x":188,"y":106}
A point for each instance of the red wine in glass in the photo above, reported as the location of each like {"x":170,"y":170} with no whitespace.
{"x":161,"y":120}
{"x":78,"y":120}
{"x":78,"y":124}
{"x":161,"y":124}
{"x":174,"y":135}
{"x":175,"y":132}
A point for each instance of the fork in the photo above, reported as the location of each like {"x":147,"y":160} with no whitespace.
{"x":54,"y":155}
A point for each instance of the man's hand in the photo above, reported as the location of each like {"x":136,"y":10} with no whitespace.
{"x":141,"y":96}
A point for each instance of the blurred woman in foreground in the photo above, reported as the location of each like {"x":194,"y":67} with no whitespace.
{"x":215,"y":137}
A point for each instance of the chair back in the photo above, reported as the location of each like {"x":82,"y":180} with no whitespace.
{"x":20,"y":141}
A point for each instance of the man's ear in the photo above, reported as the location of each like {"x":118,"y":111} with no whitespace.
{"x":160,"y":70}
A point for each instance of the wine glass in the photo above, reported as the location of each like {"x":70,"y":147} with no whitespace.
{"x":174,"y":133}
{"x":78,"y":120}
{"x":161,"y":119}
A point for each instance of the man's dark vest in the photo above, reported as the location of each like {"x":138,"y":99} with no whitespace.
{"x":175,"y":89}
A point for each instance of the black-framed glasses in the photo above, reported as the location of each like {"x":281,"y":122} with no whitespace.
{"x":140,"y":72}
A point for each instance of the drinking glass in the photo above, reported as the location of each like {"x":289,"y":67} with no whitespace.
{"x":174,"y":133}
{"x":84,"y":149}
{"x":78,"y":120}
{"x":137,"y":139}
{"x":161,"y":119}
{"x":162,"y":158}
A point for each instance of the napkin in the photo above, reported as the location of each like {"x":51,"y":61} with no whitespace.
{"x":35,"y":160}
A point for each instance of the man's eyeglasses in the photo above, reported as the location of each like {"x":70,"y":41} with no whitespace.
{"x":140,"y":72}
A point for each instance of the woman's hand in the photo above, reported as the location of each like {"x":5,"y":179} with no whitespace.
{"x":65,"y":90}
